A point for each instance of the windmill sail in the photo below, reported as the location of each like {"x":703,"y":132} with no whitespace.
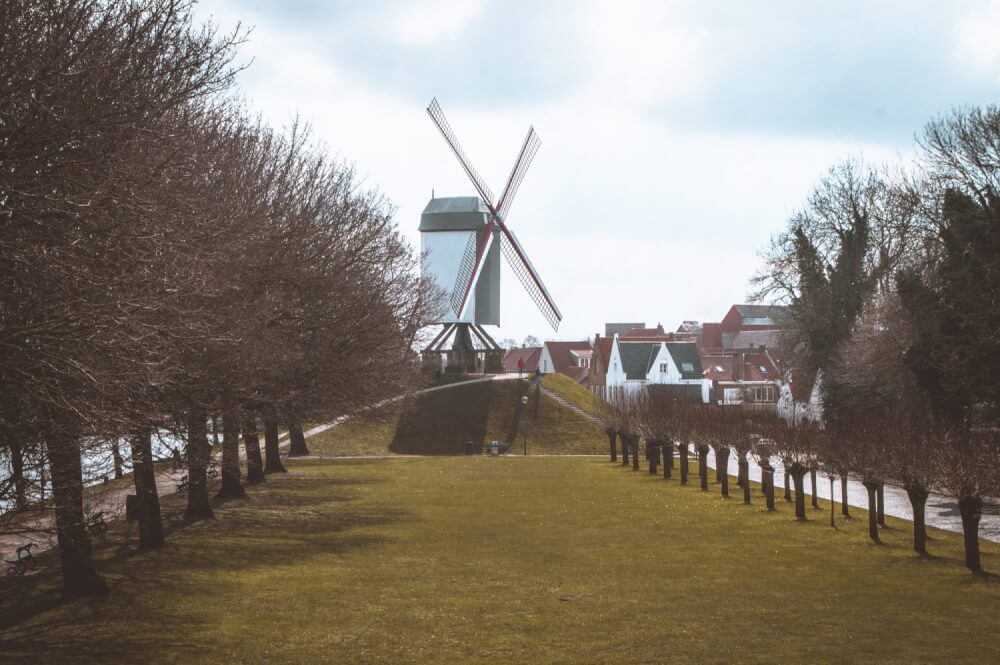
{"x":437,"y":115}
{"x":519,"y":263}
{"x":528,"y":150}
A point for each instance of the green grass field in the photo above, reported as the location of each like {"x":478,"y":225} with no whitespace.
{"x":440,"y":422}
{"x":532,"y":560}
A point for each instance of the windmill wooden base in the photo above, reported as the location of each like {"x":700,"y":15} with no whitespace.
{"x":472,"y":349}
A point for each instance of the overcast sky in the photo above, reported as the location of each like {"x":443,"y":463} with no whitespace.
{"x":677,"y":137}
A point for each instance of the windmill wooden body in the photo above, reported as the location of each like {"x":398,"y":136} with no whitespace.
{"x":463,"y":238}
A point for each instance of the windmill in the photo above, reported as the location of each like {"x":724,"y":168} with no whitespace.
{"x":463,"y":238}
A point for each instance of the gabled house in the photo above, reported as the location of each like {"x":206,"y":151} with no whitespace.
{"x":600,"y":360}
{"x":569,"y":358}
{"x":529,"y":354}
{"x":633,"y":365}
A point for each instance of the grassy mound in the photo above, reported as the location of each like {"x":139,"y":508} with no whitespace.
{"x":572,"y":391}
{"x":513,"y":560}
{"x":441,"y":421}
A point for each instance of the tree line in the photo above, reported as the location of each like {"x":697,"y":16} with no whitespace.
{"x":892,"y":281}
{"x":168,"y":261}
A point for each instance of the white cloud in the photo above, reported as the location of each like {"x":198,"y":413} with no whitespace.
{"x":432,"y":21}
{"x":977,"y":41}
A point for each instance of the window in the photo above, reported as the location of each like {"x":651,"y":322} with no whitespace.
{"x":687,"y":367}
{"x":762,"y":393}
{"x":663,"y":368}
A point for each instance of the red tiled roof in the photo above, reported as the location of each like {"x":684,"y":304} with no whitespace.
{"x":644,"y":332}
{"x":562,"y":359}
{"x":718,"y":368}
{"x":530,"y":354}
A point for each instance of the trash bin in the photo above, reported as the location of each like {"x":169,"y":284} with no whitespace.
{"x":470,"y":449}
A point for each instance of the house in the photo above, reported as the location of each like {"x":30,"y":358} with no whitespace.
{"x":528,"y":354}
{"x":600,"y":360}
{"x":743,"y":327}
{"x":632,"y":365}
{"x":569,"y":358}
{"x":657,"y":334}
{"x":742,"y":378}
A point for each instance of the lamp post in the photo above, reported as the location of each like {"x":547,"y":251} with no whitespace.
{"x":524,"y":403}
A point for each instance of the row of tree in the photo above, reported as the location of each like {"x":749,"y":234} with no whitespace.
{"x":167,"y":260}
{"x":892,"y":280}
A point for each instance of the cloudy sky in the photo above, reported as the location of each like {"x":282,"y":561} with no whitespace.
{"x":677,"y":137}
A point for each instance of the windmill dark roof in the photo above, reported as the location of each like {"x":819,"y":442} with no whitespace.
{"x":687,"y":359}
{"x":637,"y":358}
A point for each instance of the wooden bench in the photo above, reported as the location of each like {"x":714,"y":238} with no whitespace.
{"x":22,"y":560}
{"x":96,"y":524}
{"x":181,"y":484}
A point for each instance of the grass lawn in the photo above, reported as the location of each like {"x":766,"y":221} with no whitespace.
{"x":440,"y":422}
{"x":537,"y":559}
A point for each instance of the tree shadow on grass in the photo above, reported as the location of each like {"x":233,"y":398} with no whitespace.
{"x":285,"y":526}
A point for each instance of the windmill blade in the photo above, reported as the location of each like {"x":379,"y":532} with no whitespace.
{"x":528,"y":150}
{"x":437,"y":115}
{"x":468,"y":276}
{"x":465,"y":272}
{"x":518,"y":260}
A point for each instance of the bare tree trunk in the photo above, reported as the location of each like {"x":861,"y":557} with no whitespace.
{"x":833,"y":504}
{"x":745,"y":474}
{"x":682,"y":450}
{"x":971,"y":508}
{"x":788,"y":483}
{"x":231,"y":487}
{"x":624,"y":450}
{"x":668,"y":459}
{"x":845,"y":510}
{"x":815,"y":488}
{"x":80,"y":578}
{"x":297,"y":441}
{"x":918,"y":501}
{"x":767,"y":478}
{"x":703,"y":466}
{"x":872,"y":488}
{"x":722,"y":462}
{"x":613,"y":443}
{"x":251,"y":443}
{"x":653,"y":452}
{"x":198,"y":506}
{"x":116,"y":457}
{"x":798,"y":472}
{"x":634,"y":445}
{"x":272,"y":454}
{"x":215,"y":431}
{"x":17,"y":475}
{"x":144,"y":477}
{"x":880,"y":495}
{"x":720,"y":471}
